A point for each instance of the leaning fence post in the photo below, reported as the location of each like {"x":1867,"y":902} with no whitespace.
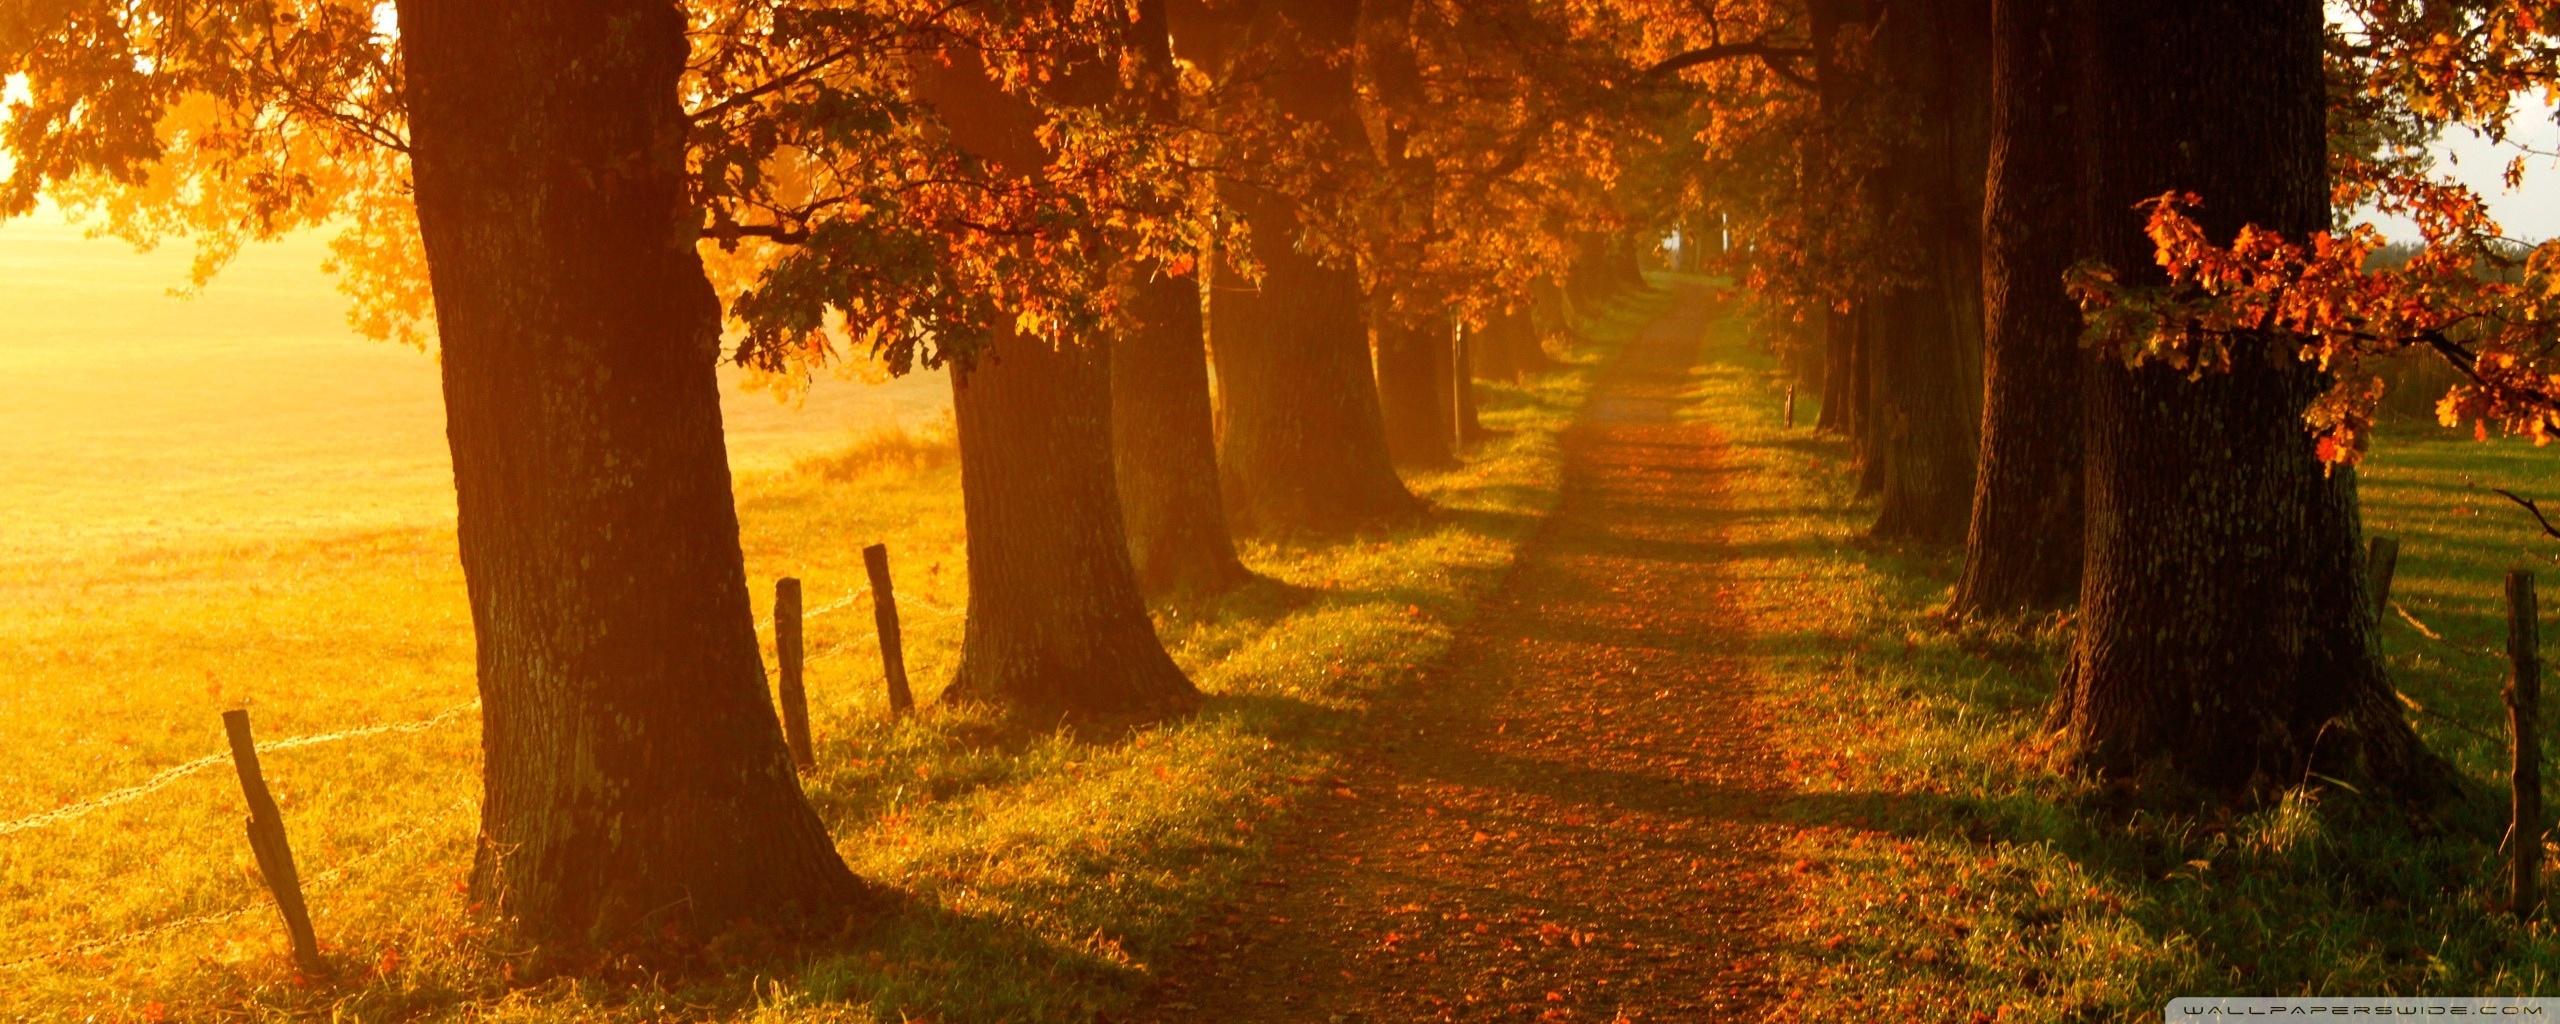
{"x":787,"y":649}
{"x":884,"y":611}
{"x":266,"y":840}
{"x":2524,"y":695}
{"x":2382,"y":558}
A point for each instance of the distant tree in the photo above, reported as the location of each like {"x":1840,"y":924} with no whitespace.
{"x":1303,"y":447}
{"x":1924,"y":321}
{"x":1163,"y":428}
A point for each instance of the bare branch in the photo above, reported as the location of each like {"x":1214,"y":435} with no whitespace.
{"x":2529,"y":506}
{"x":1765,"y":53}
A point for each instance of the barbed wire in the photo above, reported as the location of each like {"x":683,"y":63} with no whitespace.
{"x":157,"y":782}
{"x":324,"y":880}
{"x":2423,"y":630}
{"x":320,"y":882}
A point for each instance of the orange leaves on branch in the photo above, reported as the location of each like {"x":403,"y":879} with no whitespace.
{"x":2467,"y":296}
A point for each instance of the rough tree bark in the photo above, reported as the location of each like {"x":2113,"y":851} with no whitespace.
{"x":2224,"y":641}
{"x":1303,"y":449}
{"x":1927,"y":335}
{"x":636,"y":777}
{"x":2022,"y":551}
{"x":1056,"y":620}
{"x":1163,"y":437}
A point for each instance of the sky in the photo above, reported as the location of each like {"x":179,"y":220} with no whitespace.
{"x":2531,"y":213}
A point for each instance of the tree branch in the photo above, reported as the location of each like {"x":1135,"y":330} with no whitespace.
{"x":1767,"y":54}
{"x":2529,"y":506}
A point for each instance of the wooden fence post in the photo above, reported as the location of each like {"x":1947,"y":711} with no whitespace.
{"x":1791,"y":407}
{"x":266,"y":840}
{"x":1459,"y":379}
{"x":787,"y":649}
{"x":884,"y":611}
{"x":2524,"y":697}
{"x":2382,"y":558}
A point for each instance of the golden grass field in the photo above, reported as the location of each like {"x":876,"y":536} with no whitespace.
{"x":137,"y":420}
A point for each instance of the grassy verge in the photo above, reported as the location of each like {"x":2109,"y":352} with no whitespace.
{"x":1945,"y":875}
{"x":1035,"y":872}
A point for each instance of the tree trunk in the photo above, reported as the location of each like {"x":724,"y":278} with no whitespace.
{"x":1303,"y":448}
{"x":1164,"y":448}
{"x":1414,"y":391}
{"x":1840,"y":405}
{"x":636,"y":778}
{"x":1865,"y":443}
{"x":1508,"y":347}
{"x":1843,"y":390}
{"x":2023,"y":549}
{"x":1927,"y":336}
{"x":1163,"y":430}
{"x":1056,"y":621}
{"x":2224,"y":639}
{"x":1488,"y":353}
{"x":1596,"y":276}
{"x":1462,"y":380}
{"x":1626,"y":262}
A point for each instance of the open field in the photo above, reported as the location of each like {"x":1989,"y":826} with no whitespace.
{"x":138,"y":421}
{"x":1035,"y":873}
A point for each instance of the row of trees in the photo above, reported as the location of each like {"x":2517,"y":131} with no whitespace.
{"x":583,"y":205}
{"x":2070,"y":272}
{"x":587,"y":203}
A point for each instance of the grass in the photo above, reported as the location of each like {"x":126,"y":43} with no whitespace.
{"x":1037,"y":872}
{"x":1944,"y":874}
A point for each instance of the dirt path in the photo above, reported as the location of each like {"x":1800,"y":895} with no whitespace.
{"x":1569,"y":819}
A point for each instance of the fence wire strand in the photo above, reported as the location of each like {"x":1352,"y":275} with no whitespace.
{"x":157,"y":782}
{"x":321,"y":882}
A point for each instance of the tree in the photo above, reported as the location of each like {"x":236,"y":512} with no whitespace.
{"x":633,"y":759}
{"x":2224,"y":639}
{"x":2022,"y":550}
{"x":1304,"y":448}
{"x":1163,"y":438}
{"x":1164,"y":445}
{"x":1506,"y":346}
{"x":1056,"y":620}
{"x":1414,"y":362}
{"x":1414,"y":349}
{"x":1924,"y":327}
{"x":635,"y":773}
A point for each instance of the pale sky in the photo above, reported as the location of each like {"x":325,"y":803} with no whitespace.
{"x":2531,"y":213}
